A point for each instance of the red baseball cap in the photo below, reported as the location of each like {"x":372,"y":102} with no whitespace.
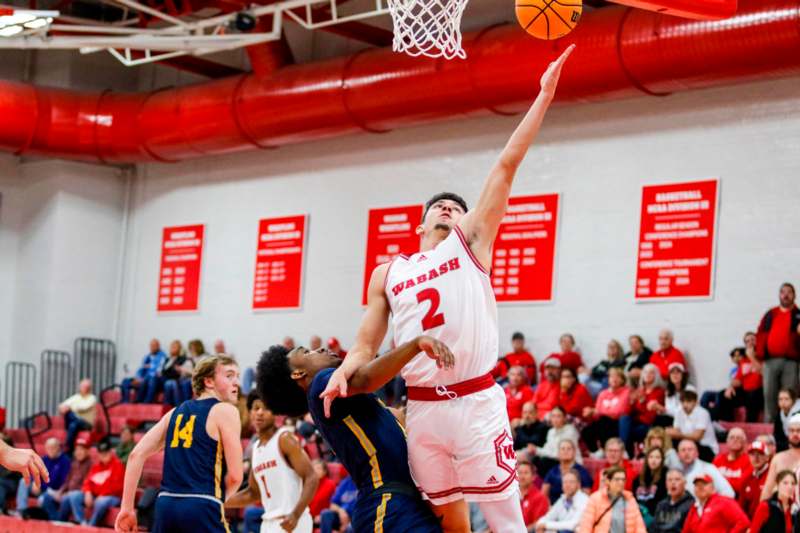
{"x":82,"y":442}
{"x":758,"y":446}
{"x":705,"y":478}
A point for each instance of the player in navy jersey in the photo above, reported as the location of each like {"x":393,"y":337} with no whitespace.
{"x":202,"y":455}
{"x":366,"y":436}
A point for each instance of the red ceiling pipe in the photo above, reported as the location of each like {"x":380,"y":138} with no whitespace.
{"x":621,"y":52}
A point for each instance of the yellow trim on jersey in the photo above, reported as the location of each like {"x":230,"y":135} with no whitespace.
{"x":222,"y":516}
{"x":380,"y":514}
{"x":377,"y":478}
{"x":218,"y":472}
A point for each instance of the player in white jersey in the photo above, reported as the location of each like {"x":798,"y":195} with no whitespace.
{"x":459,"y":440}
{"x":280,"y":474}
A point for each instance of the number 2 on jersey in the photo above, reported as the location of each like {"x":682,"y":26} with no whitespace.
{"x":431,"y":319}
{"x":182,"y":434}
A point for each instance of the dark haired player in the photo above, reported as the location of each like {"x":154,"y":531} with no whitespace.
{"x":364,"y":434}
{"x":459,"y":439}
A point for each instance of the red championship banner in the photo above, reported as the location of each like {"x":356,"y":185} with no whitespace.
{"x":524,"y":251}
{"x":676,"y":241}
{"x":181,"y":258}
{"x":390,"y":232}
{"x":279,"y":262}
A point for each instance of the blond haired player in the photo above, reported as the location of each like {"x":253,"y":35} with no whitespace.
{"x":459,"y":441}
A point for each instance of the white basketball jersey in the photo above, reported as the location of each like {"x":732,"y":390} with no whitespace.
{"x":279,"y":484}
{"x":446,"y":294}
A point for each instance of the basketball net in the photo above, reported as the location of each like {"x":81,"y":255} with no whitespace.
{"x":429,"y":28}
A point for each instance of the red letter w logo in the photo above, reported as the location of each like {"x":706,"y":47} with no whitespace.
{"x":508,"y":451}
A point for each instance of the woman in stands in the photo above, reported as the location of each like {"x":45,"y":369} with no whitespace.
{"x":611,"y":405}
{"x":650,"y":487}
{"x":657,"y":438}
{"x":574,"y":397}
{"x":567,"y":454}
{"x":546,"y":457}
{"x":775,"y":514}
{"x":612,"y":508}
{"x":598,"y":377}
{"x":788,"y":404}
{"x":678,"y":380}
{"x":645,"y":401}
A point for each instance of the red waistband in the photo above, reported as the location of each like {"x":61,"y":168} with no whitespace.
{"x":442,"y":393}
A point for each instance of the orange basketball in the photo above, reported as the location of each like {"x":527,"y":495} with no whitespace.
{"x":548,"y":19}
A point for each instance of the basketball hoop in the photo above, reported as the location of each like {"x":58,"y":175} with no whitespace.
{"x":429,"y":28}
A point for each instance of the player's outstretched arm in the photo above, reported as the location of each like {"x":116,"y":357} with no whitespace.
{"x":298,"y":460}
{"x":246,"y":496}
{"x":481,"y":224}
{"x":151,"y":443}
{"x":226,"y":417}
{"x":370,"y":335}
{"x":26,"y":462}
{"x":378,"y":372}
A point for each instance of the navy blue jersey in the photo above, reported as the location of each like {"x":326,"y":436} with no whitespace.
{"x":193,"y":461}
{"x":364,"y":434}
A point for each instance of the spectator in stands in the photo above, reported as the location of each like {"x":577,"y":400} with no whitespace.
{"x":125,"y":445}
{"x":712,"y":512}
{"x":325,"y":489}
{"x":574,"y":396}
{"x":553,"y":485}
{"x":528,"y":429}
{"x":650,"y":486}
{"x":565,"y":513}
{"x":548,"y":455}
{"x":735,"y":464}
{"x":666,"y":354}
{"x":612,"y":508}
{"x":177,"y":375}
{"x":775,"y":514}
{"x":337,"y":518}
{"x":288,"y":343}
{"x":692,"y":467}
{"x":567,"y":357}
{"x":315,"y":343}
{"x":778,"y":345}
{"x":79,"y":412}
{"x":598,"y":377}
{"x":534,"y":503}
{"x":146,"y":379}
{"x":518,"y":392}
{"x":57,"y":463}
{"x":336,"y":347}
{"x":671,"y":512}
{"x":196,"y":350}
{"x":769,"y":443}
{"x":219,"y":347}
{"x":9,"y":481}
{"x":549,"y":390}
{"x":645,"y":402}
{"x":788,"y":405}
{"x":693,"y":422}
{"x":657,"y":438}
{"x":611,"y":405}
{"x":745,"y":389}
{"x":518,"y":356}
{"x":615,"y":457}
{"x":750,"y":494}
{"x":102,"y":488}
{"x":786,"y":460}
{"x":57,"y":503}
{"x":637,"y":357}
{"x":678,"y":381}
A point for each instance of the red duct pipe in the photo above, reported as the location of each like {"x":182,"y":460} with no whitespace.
{"x":621,"y":52}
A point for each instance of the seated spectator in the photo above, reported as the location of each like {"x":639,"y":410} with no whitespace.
{"x":125,"y":445}
{"x":57,"y":463}
{"x":612,"y":504}
{"x":549,"y":390}
{"x":79,"y":412}
{"x":714,"y":513}
{"x":615,"y":458}
{"x":657,"y":438}
{"x":529,"y":429}
{"x":735,"y":464}
{"x":9,"y":481}
{"x":315,"y":343}
{"x":692,"y":467}
{"x":678,"y":381}
{"x":343,"y":502}
{"x":693,"y":422}
{"x":219,"y":347}
{"x":102,"y":488}
{"x":565,"y":513}
{"x":671,"y":512}
{"x":196,"y":350}
{"x":567,"y":357}
{"x":554,"y":479}
{"x":745,"y":389}
{"x":517,"y":393}
{"x":545,"y":457}
{"x":750,"y":493}
{"x":598,"y":377}
{"x":611,"y":405}
{"x":336,"y":347}
{"x":534,"y":503}
{"x":519,"y":356}
{"x":636,"y":358}
{"x":788,"y":405}
{"x":146,"y":381}
{"x":667,"y":354}
{"x":574,"y":396}
{"x":177,"y":375}
{"x":57,"y":502}
{"x":650,"y":486}
{"x":645,"y":401}
{"x":775,"y":514}
{"x":325,"y":489}
{"x":769,"y":443}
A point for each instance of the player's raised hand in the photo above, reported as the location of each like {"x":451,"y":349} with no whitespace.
{"x":337,"y":387}
{"x":550,"y":77}
{"x":437,"y":350}
{"x":126,"y":522}
{"x":26,"y":462}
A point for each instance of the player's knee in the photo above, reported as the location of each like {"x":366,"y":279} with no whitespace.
{"x":453,"y":516}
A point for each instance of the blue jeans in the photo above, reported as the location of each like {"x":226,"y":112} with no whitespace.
{"x":146,"y":389}
{"x":51,"y":506}
{"x":101,"y":506}
{"x":248,"y":378}
{"x":186,"y":388}
{"x":631,"y":431}
{"x":172,"y":393}
{"x":71,"y":503}
{"x":252,"y":519}
{"x":75,"y":424}
{"x":23,"y":493}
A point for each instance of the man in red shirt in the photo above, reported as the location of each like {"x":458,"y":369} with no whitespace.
{"x":778,"y":345}
{"x":735,"y":464}
{"x":518,"y":393}
{"x":519,"y":356}
{"x":667,"y":354}
{"x":750,"y":495}
{"x":714,"y":513}
{"x":102,"y":487}
{"x":568,"y":357}
{"x":615,"y":456}
{"x":549,"y":390}
{"x":325,"y":489}
{"x":534,"y":503}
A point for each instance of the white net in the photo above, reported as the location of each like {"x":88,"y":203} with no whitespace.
{"x":429,"y":28}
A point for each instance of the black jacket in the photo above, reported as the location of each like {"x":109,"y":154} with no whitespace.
{"x":669,"y":517}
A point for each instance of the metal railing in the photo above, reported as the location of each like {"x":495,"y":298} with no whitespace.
{"x":95,"y":359}
{"x":20,"y":392}
{"x":57,"y":381}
